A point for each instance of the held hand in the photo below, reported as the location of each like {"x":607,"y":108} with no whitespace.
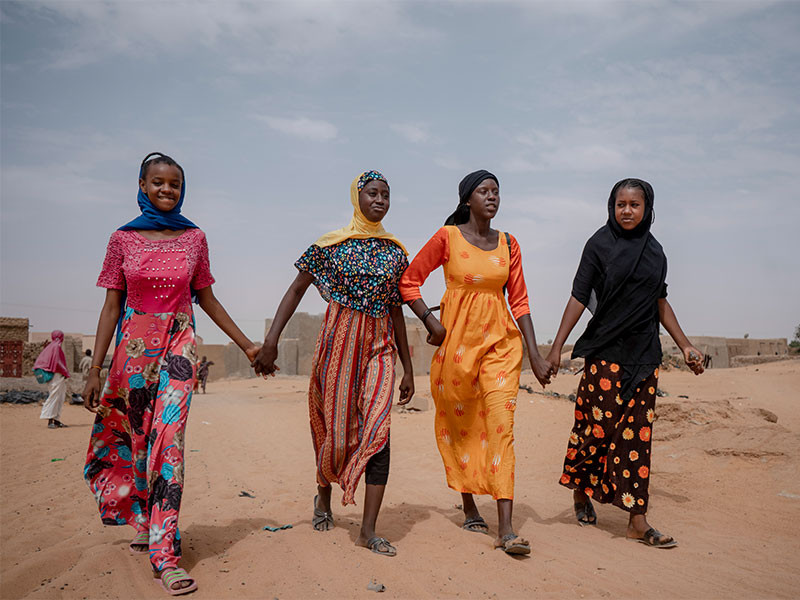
{"x":541,"y":369}
{"x":694,"y":359}
{"x":436,"y":332}
{"x":91,"y":391}
{"x":554,"y":359}
{"x":264,"y":362}
{"x":252,"y":352}
{"x":406,"y":389}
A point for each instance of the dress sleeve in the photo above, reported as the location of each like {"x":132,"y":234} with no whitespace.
{"x":112,"y":276}
{"x":517,"y":290}
{"x":395,"y":298}
{"x":312,"y":261}
{"x":587,"y":276}
{"x":433,"y":255}
{"x":202,"y":271}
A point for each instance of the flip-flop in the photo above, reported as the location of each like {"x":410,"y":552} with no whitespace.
{"x":142,"y":541}
{"x":511,"y":543}
{"x":651,"y":537}
{"x":381,"y":546}
{"x":322,"y":521}
{"x":476,"y":525}
{"x":584,"y":512}
{"x":169,"y":577}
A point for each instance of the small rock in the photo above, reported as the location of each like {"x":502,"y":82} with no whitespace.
{"x":374,"y":586}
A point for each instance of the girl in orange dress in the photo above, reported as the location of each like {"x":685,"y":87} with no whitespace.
{"x":475,"y":372}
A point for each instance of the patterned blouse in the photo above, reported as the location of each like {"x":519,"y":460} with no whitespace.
{"x":360,"y":274}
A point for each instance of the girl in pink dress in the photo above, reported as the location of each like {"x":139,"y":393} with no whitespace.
{"x":154,"y":267}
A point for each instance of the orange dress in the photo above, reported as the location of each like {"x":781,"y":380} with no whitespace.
{"x":475,"y":372}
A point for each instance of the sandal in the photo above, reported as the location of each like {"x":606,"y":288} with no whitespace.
{"x":169,"y":577}
{"x":584,"y":512}
{"x":653,"y":537}
{"x":381,"y":546}
{"x":511,"y":543}
{"x":476,"y":524}
{"x":322,"y":521}
{"x":140,"y":544}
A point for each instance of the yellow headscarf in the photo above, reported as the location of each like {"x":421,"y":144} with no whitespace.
{"x":359,"y":228}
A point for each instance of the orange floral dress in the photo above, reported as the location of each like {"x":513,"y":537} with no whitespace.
{"x":475,"y":372}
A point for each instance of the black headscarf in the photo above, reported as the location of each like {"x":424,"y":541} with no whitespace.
{"x":620,"y":279}
{"x":465,"y":189}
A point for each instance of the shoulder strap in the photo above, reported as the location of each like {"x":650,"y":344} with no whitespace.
{"x":508,"y":245}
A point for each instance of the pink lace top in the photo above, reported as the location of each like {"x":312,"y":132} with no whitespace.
{"x":158,"y":275}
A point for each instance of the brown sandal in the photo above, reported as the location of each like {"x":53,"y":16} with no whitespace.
{"x":511,"y":543}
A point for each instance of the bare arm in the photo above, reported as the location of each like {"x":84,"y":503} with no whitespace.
{"x":401,"y":339}
{"x":264,"y":363}
{"x":572,"y":313}
{"x":214,"y":309}
{"x":436,"y":331}
{"x":109,"y":315}
{"x":692,"y":356}
{"x":541,"y":368}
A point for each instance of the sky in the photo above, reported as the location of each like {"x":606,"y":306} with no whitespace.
{"x":272,"y":108}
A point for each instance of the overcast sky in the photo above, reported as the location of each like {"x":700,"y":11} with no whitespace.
{"x":273,"y":108}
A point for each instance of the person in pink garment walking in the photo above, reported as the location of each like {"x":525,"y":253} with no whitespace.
{"x":51,"y":365}
{"x":154,"y":267}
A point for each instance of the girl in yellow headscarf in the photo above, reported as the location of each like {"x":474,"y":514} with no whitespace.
{"x":356,"y":270}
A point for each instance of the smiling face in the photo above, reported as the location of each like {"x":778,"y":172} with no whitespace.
{"x":629,"y":207}
{"x":162,"y":185}
{"x":373,"y":200}
{"x":485,"y":200}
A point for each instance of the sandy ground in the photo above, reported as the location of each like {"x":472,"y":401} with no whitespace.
{"x":724,"y":483}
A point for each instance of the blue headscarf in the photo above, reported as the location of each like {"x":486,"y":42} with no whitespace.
{"x":152,"y":218}
{"x":155,"y":219}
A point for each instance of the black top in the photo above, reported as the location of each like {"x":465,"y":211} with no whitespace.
{"x":620,"y":279}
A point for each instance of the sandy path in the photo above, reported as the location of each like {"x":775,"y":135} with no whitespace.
{"x":725,"y":484}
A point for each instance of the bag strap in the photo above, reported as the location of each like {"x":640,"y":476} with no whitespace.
{"x":508,"y":245}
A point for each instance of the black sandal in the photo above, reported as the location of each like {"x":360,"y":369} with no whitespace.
{"x":322,"y":521}
{"x":476,"y":525}
{"x":652,"y":536}
{"x":584,"y":512}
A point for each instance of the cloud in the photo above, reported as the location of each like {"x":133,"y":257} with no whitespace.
{"x":414,"y":133}
{"x":449,"y":162}
{"x":278,"y":35}
{"x":301,"y":127}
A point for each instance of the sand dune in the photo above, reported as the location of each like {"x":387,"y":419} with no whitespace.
{"x":725,"y":483}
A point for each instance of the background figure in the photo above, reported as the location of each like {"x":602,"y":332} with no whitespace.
{"x":202,"y":373}
{"x":51,"y":365}
{"x":86,"y":364}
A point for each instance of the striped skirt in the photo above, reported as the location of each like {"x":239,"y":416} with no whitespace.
{"x":350,"y":394}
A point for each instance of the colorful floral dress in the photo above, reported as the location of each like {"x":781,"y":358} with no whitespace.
{"x":475,"y":372}
{"x":352,"y":374}
{"x":135,"y":465}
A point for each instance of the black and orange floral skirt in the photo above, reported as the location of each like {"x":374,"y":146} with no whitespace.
{"x":608,"y":455}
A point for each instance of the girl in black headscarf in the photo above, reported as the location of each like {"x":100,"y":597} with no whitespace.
{"x":621,"y":280}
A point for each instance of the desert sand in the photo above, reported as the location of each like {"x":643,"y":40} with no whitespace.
{"x":725,"y":483}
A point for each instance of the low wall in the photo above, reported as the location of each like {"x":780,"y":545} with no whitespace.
{"x":228,"y":359}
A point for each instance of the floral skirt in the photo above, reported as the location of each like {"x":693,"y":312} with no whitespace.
{"x":134,"y":465}
{"x":608,"y":455}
